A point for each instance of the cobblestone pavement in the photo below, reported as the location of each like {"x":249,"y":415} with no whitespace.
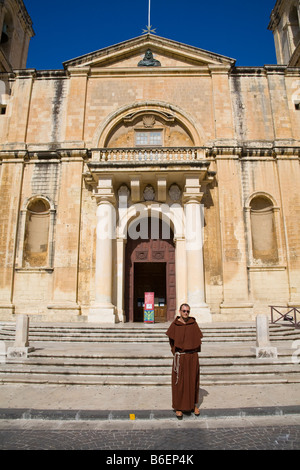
{"x":273,"y":433}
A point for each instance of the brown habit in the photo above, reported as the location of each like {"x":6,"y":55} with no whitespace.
{"x":185,"y":338}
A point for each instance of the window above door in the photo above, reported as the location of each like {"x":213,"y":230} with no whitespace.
{"x":149,"y":138}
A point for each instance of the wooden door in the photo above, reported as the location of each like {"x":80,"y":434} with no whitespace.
{"x":150,"y":277}
{"x":152,"y":251}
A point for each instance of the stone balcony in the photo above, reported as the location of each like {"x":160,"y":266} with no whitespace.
{"x":149,"y":156}
{"x":147,"y":161}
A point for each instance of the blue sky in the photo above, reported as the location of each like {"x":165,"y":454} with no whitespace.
{"x":65,"y":29}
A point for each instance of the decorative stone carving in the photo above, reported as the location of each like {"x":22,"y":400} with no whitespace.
{"x":149,"y":193}
{"x":142,"y":255}
{"x":149,"y":120}
{"x":158,"y":255}
{"x":123,"y":191}
{"x":148,"y":60}
{"x":175,"y":193}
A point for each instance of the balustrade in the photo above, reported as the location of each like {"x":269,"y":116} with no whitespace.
{"x":149,"y":155}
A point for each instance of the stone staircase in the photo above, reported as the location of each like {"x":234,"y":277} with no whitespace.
{"x":135,"y":333}
{"x":140,"y":355}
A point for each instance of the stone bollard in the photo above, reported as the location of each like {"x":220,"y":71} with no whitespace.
{"x":21,"y":348}
{"x":263,"y":347}
{"x":2,"y":352}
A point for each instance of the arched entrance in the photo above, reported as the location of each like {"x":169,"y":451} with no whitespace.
{"x":150,"y":267}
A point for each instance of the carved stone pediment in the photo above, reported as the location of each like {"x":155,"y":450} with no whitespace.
{"x":143,"y":53}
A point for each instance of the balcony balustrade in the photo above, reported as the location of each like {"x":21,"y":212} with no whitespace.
{"x":147,"y":155}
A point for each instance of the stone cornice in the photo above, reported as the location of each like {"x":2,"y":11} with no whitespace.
{"x":118,"y":72}
{"x":273,"y":150}
{"x":266,"y":70}
{"x":275,"y":15}
{"x":150,"y":71}
{"x":197,"y":157}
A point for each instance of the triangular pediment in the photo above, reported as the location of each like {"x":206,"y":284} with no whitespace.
{"x":169,"y":54}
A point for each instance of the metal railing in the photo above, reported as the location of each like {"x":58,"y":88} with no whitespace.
{"x":290,"y":315}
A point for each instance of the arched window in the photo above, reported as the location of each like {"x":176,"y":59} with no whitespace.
{"x":263,"y":230}
{"x":7,"y":30}
{"x":36,"y":237}
{"x":294,"y":26}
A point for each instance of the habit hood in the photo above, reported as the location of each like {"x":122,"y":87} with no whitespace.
{"x":185,"y":336}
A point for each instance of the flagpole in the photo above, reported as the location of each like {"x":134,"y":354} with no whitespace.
{"x":149,"y":30}
{"x":149,"y":15}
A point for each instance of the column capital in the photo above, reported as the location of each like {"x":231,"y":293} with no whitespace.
{"x":105,"y":198}
{"x":192,"y":197}
{"x":104,"y":193}
{"x":192,"y":191}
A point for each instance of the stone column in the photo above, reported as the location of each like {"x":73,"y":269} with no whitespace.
{"x":103,"y":310}
{"x":194,"y":251}
{"x":181,"y":273}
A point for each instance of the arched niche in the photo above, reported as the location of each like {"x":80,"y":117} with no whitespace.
{"x":177,"y":127}
{"x":149,"y":128}
{"x":36,"y":241}
{"x":263,"y":229}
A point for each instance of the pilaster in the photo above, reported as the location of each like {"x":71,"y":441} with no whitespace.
{"x":76,"y":105}
{"x":67,"y":237}
{"x":11,"y":180}
{"x":20,"y":108}
{"x":236,"y":303}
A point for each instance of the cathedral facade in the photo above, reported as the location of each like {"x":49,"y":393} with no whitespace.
{"x":151,"y":166}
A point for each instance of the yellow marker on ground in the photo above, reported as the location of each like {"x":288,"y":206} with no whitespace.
{"x":132,"y":417}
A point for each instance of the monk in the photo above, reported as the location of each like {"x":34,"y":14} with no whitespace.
{"x":185,"y":341}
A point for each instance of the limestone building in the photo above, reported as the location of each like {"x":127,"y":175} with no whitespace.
{"x":16,"y":32}
{"x":284,"y":22}
{"x":151,"y":165}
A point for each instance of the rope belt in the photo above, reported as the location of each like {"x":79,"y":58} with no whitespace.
{"x":176,"y":362}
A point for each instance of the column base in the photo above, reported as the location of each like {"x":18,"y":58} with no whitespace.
{"x":64,"y":311}
{"x":15,"y":352}
{"x":102,"y":314}
{"x":7,"y":311}
{"x":265,"y":352}
{"x":202,"y":313}
{"x":236,"y":311}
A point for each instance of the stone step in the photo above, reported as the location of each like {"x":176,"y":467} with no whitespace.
{"x":138,"y":370}
{"x":141,"y":334}
{"x":142,"y":380}
{"x":67,"y":361}
{"x":69,"y":354}
{"x":156,"y":371}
